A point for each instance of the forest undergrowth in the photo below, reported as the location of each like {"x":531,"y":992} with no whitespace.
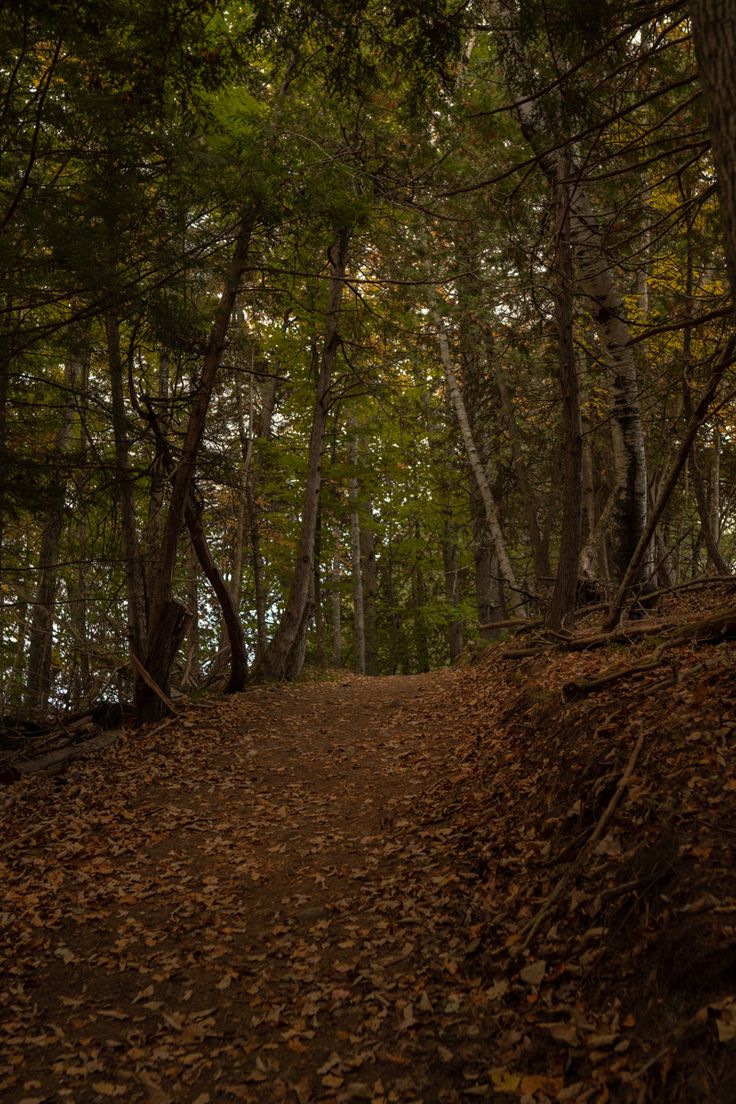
{"x":472,"y":884}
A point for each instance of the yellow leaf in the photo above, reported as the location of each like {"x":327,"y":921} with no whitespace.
{"x":505,"y":1081}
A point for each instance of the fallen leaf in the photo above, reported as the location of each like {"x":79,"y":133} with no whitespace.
{"x":505,"y":1081}
{"x":533,"y":974}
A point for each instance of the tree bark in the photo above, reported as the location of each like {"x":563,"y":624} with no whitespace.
{"x":233,"y":627}
{"x":124,"y":487}
{"x":159,"y":655}
{"x":714,"y":29}
{"x":370,"y":585}
{"x":356,"y":566}
{"x":450,"y":564}
{"x":336,"y":600}
{"x":489,"y":598}
{"x":275,"y":661}
{"x":564,"y":594}
{"x":484,"y":487}
{"x":540,"y":552}
{"x":38,"y":679}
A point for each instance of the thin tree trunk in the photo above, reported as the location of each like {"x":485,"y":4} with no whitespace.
{"x":190,"y":674}
{"x":336,"y":600}
{"x":124,"y":488}
{"x":245,"y":436}
{"x":233,"y":627}
{"x":38,"y":678}
{"x":450,"y":566}
{"x":256,"y":559}
{"x":419,"y":600}
{"x":356,"y":566}
{"x":160,"y":656}
{"x":319,"y":618}
{"x":540,"y":552}
{"x":492,"y":518}
{"x":489,"y":599}
{"x":11,"y":700}
{"x":274,"y":663}
{"x":263,"y":429}
{"x":564,"y":594}
{"x":370,"y":583}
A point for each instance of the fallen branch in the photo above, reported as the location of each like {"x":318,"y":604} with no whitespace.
{"x":512,"y":623}
{"x":61,"y":756}
{"x":136,"y":663}
{"x":594,"y":640}
{"x":579,"y":688}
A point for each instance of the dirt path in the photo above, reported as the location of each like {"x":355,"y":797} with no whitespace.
{"x":252,"y":904}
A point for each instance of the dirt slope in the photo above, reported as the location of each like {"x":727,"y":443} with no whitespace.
{"x":324,"y":893}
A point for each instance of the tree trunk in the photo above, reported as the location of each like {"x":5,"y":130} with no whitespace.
{"x":540,"y":552}
{"x":370,"y":583}
{"x":564,"y":593}
{"x":419,"y":600}
{"x":160,"y":653}
{"x":38,"y":678}
{"x":274,"y":663}
{"x":714,"y":28}
{"x":190,"y":674}
{"x":124,"y":487}
{"x":336,"y":600}
{"x":356,"y":566}
{"x":489,"y":597}
{"x":233,"y":627}
{"x":450,"y":566}
{"x":263,"y":429}
{"x":492,"y":518}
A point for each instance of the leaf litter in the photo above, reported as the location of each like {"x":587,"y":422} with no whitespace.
{"x":345,"y":891}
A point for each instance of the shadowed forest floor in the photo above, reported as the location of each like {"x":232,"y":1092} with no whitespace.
{"x":323,"y":892}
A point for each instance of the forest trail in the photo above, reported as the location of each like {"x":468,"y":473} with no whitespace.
{"x":243,"y":908}
{"x":436,"y":888}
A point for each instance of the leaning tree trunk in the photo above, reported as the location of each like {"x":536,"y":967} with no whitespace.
{"x":166,"y":615}
{"x":233,"y":627}
{"x":275,"y":663}
{"x":484,"y":487}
